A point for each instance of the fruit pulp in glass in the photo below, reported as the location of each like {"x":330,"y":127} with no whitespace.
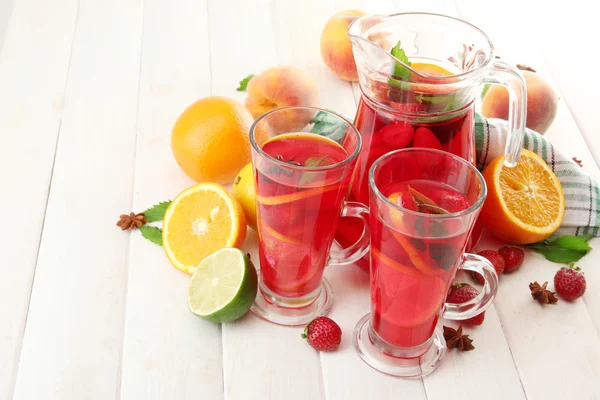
{"x":413,"y":261}
{"x":298,"y":210}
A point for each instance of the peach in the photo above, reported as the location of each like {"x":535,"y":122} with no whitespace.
{"x":336,"y":47}
{"x":282,"y":86}
{"x":542,"y":102}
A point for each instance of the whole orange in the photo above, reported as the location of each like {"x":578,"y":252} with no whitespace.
{"x":210,"y":139}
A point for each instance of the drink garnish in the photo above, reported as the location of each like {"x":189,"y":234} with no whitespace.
{"x":317,"y":161}
{"x":424,"y":203}
{"x":400,"y":70}
{"x":456,"y":339}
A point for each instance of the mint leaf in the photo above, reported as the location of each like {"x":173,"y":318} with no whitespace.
{"x":157,"y":213}
{"x":564,"y":249}
{"x":244,"y":83}
{"x":317,"y":161}
{"x":329,"y":125}
{"x":574,"y":242}
{"x":152,"y":233}
{"x":486,"y":87}
{"x":400,"y":70}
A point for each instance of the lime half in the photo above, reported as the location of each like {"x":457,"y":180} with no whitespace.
{"x":223,"y":287}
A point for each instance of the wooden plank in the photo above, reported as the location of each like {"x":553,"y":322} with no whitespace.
{"x":534,"y":331}
{"x":31,"y":103}
{"x":168,"y":353}
{"x":72,"y":341}
{"x":261,"y":360}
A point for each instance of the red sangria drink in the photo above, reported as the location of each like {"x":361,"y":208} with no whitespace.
{"x":412,"y":267}
{"x":302,"y":180}
{"x":424,"y":204}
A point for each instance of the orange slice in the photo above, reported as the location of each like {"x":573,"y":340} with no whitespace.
{"x":406,"y":270}
{"x":525,"y":204}
{"x":415,"y":256}
{"x":201,"y":220}
{"x":431,"y":69}
{"x":288,"y":198}
{"x":279,"y":236}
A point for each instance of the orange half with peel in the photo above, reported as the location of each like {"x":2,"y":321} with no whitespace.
{"x":199,"y":221}
{"x":525,"y":204}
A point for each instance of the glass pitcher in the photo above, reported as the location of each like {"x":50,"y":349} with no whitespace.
{"x":419,"y":75}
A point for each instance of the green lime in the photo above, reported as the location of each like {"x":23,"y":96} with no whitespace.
{"x":223,"y":287}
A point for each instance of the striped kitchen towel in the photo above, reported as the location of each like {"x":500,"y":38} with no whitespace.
{"x":582,"y":195}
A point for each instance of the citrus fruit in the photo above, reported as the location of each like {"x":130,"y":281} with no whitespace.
{"x":199,"y":221}
{"x":210,"y":139}
{"x":288,"y":198}
{"x":223,"y":287}
{"x":244,"y":191}
{"x":431,"y":69}
{"x":525,"y":204}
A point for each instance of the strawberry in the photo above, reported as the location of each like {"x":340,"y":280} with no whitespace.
{"x":397,"y":135}
{"x":323,"y":334}
{"x":513,"y":257}
{"x":569,"y":283}
{"x":497,"y":261}
{"x":461,"y":292}
{"x":425,"y":138}
{"x":453,"y":203}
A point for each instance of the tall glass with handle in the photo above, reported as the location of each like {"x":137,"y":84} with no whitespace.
{"x":424,"y":204}
{"x":419,"y":75}
{"x":302,"y":180}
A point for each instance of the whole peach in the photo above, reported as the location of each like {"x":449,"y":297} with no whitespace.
{"x":542,"y":102}
{"x":336,"y":47}
{"x":282,"y":86}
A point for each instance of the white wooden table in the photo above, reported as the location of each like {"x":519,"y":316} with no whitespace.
{"x":89,"y":91}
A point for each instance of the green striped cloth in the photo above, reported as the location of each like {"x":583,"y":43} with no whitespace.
{"x":582,"y":195}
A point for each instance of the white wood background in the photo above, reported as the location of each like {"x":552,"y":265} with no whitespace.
{"x":89,"y":91}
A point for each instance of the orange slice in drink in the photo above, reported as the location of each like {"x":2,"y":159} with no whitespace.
{"x":423,"y":265}
{"x":288,"y":198}
{"x":199,"y":221}
{"x":433,"y":70}
{"x":525,"y":204}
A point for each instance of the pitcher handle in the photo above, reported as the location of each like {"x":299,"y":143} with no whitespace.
{"x":361,"y":247}
{"x":484,"y":299}
{"x":510,"y":77}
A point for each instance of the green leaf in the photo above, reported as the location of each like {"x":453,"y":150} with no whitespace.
{"x":157,"y":213}
{"x":152,"y":233}
{"x":399,"y":69}
{"x":329,"y":125}
{"x":486,"y":87}
{"x":317,"y":161}
{"x":244,"y":83}
{"x":564,"y":249}
{"x":574,"y":242}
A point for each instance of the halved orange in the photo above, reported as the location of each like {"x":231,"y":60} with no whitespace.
{"x":525,"y":204}
{"x":199,"y":221}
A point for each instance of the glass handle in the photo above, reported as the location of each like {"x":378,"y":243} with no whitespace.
{"x":506,"y":75}
{"x":357,"y":250}
{"x":485,"y":298}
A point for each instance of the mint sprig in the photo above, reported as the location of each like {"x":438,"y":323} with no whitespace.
{"x":564,"y":249}
{"x":400,"y":70}
{"x":244,"y":83}
{"x":157,"y":212}
{"x":152,"y":233}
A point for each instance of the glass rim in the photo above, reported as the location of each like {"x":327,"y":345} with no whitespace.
{"x":440,"y":79}
{"x":474,"y":207}
{"x":283,"y":164}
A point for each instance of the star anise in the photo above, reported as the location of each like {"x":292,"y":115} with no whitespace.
{"x":524,"y":67}
{"x":539,"y":293}
{"x":456,"y":339}
{"x":131,"y":221}
{"x":577,"y":161}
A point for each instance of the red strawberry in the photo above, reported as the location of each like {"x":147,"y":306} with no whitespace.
{"x":497,"y":261}
{"x":569,"y":283}
{"x":513,"y":257}
{"x":397,"y":135}
{"x":425,"y":138}
{"x":323,"y":334}
{"x":461,"y":292}
{"x":453,"y":203}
